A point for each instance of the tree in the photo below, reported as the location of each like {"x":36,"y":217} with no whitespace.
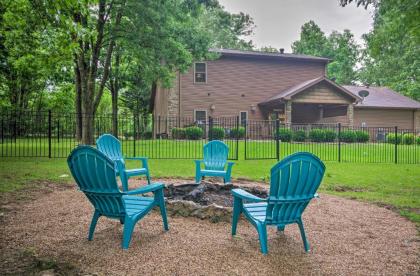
{"x":391,"y":57}
{"x":339,"y":47}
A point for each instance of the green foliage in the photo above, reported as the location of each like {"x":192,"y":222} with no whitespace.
{"x":362,"y":136}
{"x":194,"y":133}
{"x":330,"y":135}
{"x":284,"y":135}
{"x":217,"y":133}
{"x":178,"y":133}
{"x":237,"y":133}
{"x":408,"y":138}
{"x":147,"y":134}
{"x":299,"y":136}
{"x":392,"y":138}
{"x":418,"y":140}
{"x":348,"y":136}
{"x":317,"y":135}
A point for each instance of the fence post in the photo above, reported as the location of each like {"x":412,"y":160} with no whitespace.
{"x":277,"y":139}
{"x":339,"y":142}
{"x":237,"y":137}
{"x":49,"y":133}
{"x":58,"y":130}
{"x":210,"y":128}
{"x":396,"y":145}
{"x":135,"y":118}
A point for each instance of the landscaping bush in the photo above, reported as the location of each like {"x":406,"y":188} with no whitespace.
{"x":299,"y":135}
{"x":284,"y":135}
{"x":418,"y":140}
{"x":237,"y":133}
{"x":362,"y":136}
{"x":317,"y":135}
{"x":408,"y":139}
{"x":217,"y":133}
{"x":348,"y":136}
{"x":147,"y":135}
{"x":390,"y":138}
{"x":178,"y":133}
{"x":330,"y":135}
{"x":194,"y":133}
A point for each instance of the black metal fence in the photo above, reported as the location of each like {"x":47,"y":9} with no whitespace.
{"x":47,"y":134}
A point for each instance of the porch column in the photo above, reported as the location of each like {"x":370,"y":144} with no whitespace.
{"x":350,"y":114}
{"x":288,"y":112}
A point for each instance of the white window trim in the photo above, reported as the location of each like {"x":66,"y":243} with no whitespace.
{"x":205,"y":64}
{"x":205,"y":110}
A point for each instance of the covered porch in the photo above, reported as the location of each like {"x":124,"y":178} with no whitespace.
{"x":318,"y":101}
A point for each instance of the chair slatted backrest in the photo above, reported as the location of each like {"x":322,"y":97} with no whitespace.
{"x":110,"y":146}
{"x":215,"y":155}
{"x":95,"y":175}
{"x":294,"y":182}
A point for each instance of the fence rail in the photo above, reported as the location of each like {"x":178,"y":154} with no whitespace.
{"x":47,"y":134}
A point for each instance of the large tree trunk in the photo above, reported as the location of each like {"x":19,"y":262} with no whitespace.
{"x":78,"y":104}
{"x":114,"y":81}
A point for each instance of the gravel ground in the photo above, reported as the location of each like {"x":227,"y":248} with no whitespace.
{"x":346,"y":237}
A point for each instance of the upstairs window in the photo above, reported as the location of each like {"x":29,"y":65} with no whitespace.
{"x":200,"y":72}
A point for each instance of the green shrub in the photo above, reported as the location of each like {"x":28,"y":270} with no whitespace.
{"x":348,"y":136}
{"x":330,"y":135}
{"x":317,"y":135}
{"x":418,"y":140}
{"x":237,"y":133}
{"x":194,"y":133}
{"x":178,"y":133}
{"x":217,"y":133}
{"x":284,"y":135}
{"x":362,"y":136}
{"x":147,"y":135}
{"x":390,"y":138}
{"x":408,"y":139}
{"x":299,"y":135}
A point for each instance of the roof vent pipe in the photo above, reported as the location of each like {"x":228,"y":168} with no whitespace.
{"x":281,"y":50}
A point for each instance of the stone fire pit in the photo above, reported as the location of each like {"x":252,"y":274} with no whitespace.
{"x":209,"y":200}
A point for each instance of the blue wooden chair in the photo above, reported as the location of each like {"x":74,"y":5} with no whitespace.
{"x":111,"y":147}
{"x":215,"y":159}
{"x":293,"y":184}
{"x":95,"y":175}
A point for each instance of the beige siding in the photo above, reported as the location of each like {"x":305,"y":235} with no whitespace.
{"x":234,"y":84}
{"x":384,"y":118}
{"x":322,"y":93}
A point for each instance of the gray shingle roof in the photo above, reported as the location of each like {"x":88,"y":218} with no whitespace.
{"x":265,"y":54}
{"x":382,"y":97}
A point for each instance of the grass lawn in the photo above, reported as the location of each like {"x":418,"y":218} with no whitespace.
{"x":389,"y":184}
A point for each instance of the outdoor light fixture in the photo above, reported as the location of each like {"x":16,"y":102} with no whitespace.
{"x":253,"y":108}
{"x":212,"y":107}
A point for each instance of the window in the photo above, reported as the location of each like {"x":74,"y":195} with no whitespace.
{"x":243,"y":116}
{"x":200,"y":72}
{"x":200,"y":117}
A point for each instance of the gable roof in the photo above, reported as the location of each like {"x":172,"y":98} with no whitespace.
{"x":382,"y":97}
{"x":232,"y":52}
{"x":288,"y":93}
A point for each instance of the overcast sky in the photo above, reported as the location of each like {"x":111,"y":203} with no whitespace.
{"x":278,"y":22}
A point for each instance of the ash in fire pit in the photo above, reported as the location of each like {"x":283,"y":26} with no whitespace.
{"x":206,"y":201}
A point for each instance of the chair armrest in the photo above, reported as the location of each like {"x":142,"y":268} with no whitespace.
{"x":146,"y":189}
{"x":230,"y":164}
{"x":239,"y":193}
{"x":198,"y":163}
{"x":142,"y":159}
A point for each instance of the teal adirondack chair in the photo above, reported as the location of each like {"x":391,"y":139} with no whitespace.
{"x":293,"y":184}
{"x":95,"y":175}
{"x":215,"y":158}
{"x":111,"y":147}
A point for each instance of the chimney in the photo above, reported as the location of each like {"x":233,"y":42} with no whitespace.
{"x":281,"y":50}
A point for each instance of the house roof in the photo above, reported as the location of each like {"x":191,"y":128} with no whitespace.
{"x":288,"y":93}
{"x":232,"y":52}
{"x":382,"y":97}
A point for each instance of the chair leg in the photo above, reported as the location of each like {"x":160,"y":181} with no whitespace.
{"x":127,"y":232}
{"x":302,"y":233}
{"x":148,"y":177}
{"x":237,"y":210}
{"x":197,"y":178}
{"x":262,"y":234}
{"x":92,"y":227}
{"x":227,"y":178}
{"x":162,"y":208}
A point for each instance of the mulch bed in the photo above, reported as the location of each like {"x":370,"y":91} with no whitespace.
{"x":347,"y":237}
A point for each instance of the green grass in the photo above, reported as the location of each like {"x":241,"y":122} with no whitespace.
{"x":389,"y":184}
